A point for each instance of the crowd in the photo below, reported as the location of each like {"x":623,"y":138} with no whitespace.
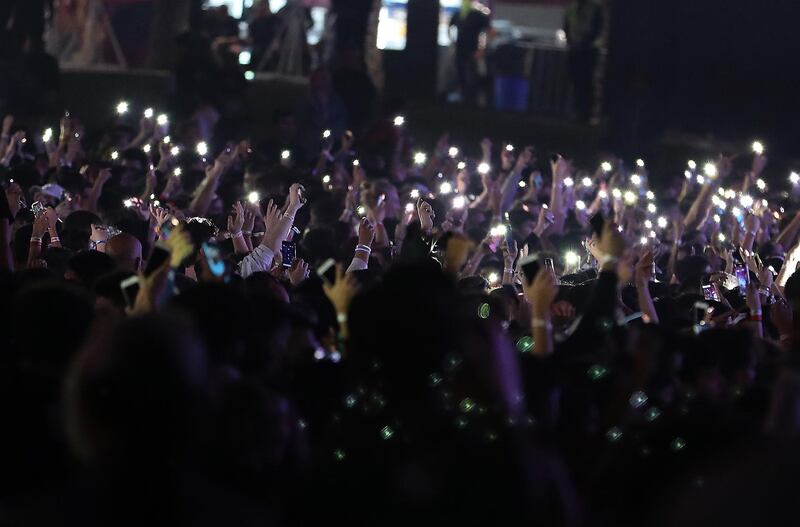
{"x":223,"y":333}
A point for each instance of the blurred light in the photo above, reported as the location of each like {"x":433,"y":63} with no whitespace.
{"x":687,"y":174}
{"x":162,"y":119}
{"x":650,"y":195}
{"x":459,"y":202}
{"x":580,"y":205}
{"x":761,"y":184}
{"x":736,"y":211}
{"x":453,"y":151}
{"x":201,"y":148}
{"x":630,"y":197}
{"x":643,"y":240}
{"x":484,"y":168}
{"x":361,"y":210}
{"x":122,"y":107}
{"x":568,"y":182}
{"x":245,"y":57}
{"x":166,"y":140}
{"x":617,"y":193}
{"x":461,"y":165}
{"x":636,"y":179}
{"x":177,"y":171}
{"x":640,"y":163}
{"x":721,"y":237}
{"x":522,"y":184}
{"x":399,"y":120}
{"x":409,"y":207}
{"x":794,"y":177}
{"x":710,"y":170}
{"x":509,"y":148}
{"x":758,"y":147}
{"x":648,"y":224}
{"x":420,"y":158}
{"x":746,"y":201}
{"x":148,"y":113}
{"x":700,"y":179}
{"x":498,"y":230}
{"x":175,"y":150}
{"x":651,"y":208}
{"x":571,"y":258}
{"x":717,"y":219}
{"x":587,"y":181}
{"x":326,"y":178}
{"x":253,"y":197}
{"x":285,"y":154}
{"x":652,"y":234}
{"x":494,"y":278}
{"x":730,"y":194}
{"x":146,"y":149}
{"x":445,"y":188}
{"x":356,"y":162}
{"x":605,"y":166}
{"x":603,"y":194}
{"x":692,"y":164}
{"x":47,"y":135}
{"x":662,"y":222}
{"x":326,"y":134}
{"x":249,"y":75}
{"x":414,"y":193}
{"x":721,"y":191}
{"x":114,"y":155}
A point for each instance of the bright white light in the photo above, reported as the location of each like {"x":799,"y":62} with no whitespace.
{"x":721,"y":237}
{"x":361,"y":210}
{"x":399,"y":120}
{"x":253,"y":197}
{"x":114,"y":155}
{"x":587,"y":182}
{"x":484,"y":168}
{"x":721,"y":191}
{"x":651,"y":208}
{"x":459,"y":202}
{"x":148,"y":113}
{"x":717,"y":218}
{"x":662,"y":222}
{"x":409,"y":207}
{"x":710,"y":170}
{"x":730,"y":193}
{"x":445,"y":188}
{"x":746,"y":201}
{"x":640,"y":163}
{"x":617,"y":193}
{"x":509,"y":148}
{"x":249,"y":75}
{"x":167,"y":139}
{"x":201,"y":148}
{"x":636,"y":179}
{"x":761,"y":184}
{"x":687,"y":174}
{"x":356,"y":162}
{"x":603,"y":194}
{"x":285,"y":154}
{"x":630,"y":197}
{"x":568,"y":182}
{"x":648,"y":224}
{"x":522,"y":184}
{"x":580,"y":205}
{"x":461,"y":165}
{"x":700,"y":179}
{"x":47,"y":135}
{"x":326,"y":179}
{"x":177,"y":171}
{"x":736,"y":211}
{"x":453,"y":151}
{"x":244,"y":57}
{"x":326,"y":134}
{"x":764,"y":203}
{"x":420,"y":158}
{"x":162,"y":119}
{"x":572,"y":258}
{"x":122,"y":107}
{"x":414,"y":193}
{"x":493,"y":278}
{"x":175,"y":150}
{"x":605,"y":166}
{"x":650,"y":195}
{"x":794,"y":177}
{"x":758,"y":147}
{"x":146,"y":149}
{"x":643,"y":240}
{"x":692,"y":164}
{"x":498,"y":230}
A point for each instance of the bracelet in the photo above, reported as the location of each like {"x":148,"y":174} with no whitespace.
{"x":287,"y":214}
{"x":541,"y":323}
{"x":366,"y":248}
{"x":236,"y":235}
{"x":36,"y":239}
{"x":54,"y":239}
{"x":509,"y":270}
{"x":247,"y":233}
{"x":756,"y":317}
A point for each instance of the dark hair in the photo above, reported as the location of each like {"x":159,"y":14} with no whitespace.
{"x":88,"y":266}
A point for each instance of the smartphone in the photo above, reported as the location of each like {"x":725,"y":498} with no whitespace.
{"x":709,"y":293}
{"x":157,"y":259}
{"x":743,"y":277}
{"x":37,"y":208}
{"x":530,"y":266}
{"x":381,"y":199}
{"x":701,"y":309}
{"x":597,"y":222}
{"x":327,"y":271}
{"x":130,"y":288}
{"x":215,"y":262}
{"x":288,"y":253}
{"x":302,"y":193}
{"x":548,"y":264}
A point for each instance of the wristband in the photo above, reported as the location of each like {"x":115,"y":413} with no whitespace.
{"x":508,"y":270}
{"x":36,"y":239}
{"x":247,"y":233}
{"x":541,"y":323}
{"x":289,"y":215}
{"x":236,"y":235}
{"x":366,"y":248}
{"x":54,"y":239}
{"x":756,"y":317}
{"x":607,"y":258}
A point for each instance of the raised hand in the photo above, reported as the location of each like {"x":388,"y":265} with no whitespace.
{"x":298,"y":272}
{"x":426,"y":215}
{"x":366,"y":232}
{"x":342,"y":291}
{"x":509,"y":252}
{"x":542,"y":291}
{"x":644,"y":268}
{"x":296,"y":198}
{"x":272,"y":215}
{"x":236,"y":218}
